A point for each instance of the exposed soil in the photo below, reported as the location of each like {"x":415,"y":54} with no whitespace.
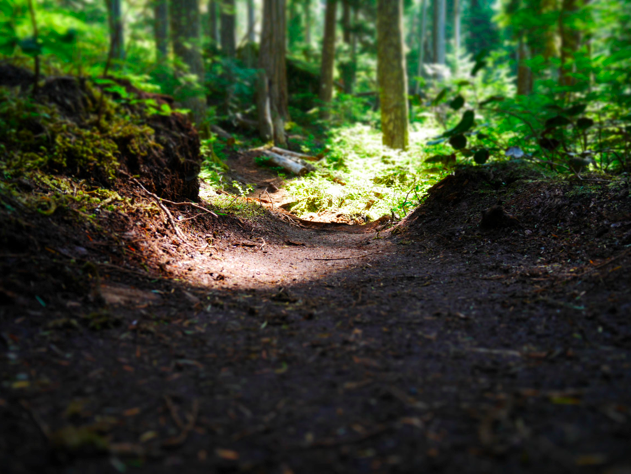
{"x":275,"y":345}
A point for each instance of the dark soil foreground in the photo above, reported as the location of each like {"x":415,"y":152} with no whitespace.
{"x":267,"y":345}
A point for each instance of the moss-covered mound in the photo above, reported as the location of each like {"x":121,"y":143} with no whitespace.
{"x":73,"y":127}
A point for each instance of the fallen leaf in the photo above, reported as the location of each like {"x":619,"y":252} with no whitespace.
{"x":131,"y":412}
{"x":227,"y":454}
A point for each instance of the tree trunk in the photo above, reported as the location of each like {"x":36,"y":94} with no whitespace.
{"x":185,"y":36}
{"x":212,"y":18}
{"x":524,"y":74}
{"x":391,"y":74}
{"x":272,"y":90}
{"x":307,"y":5}
{"x":440,"y":13}
{"x":570,"y":41}
{"x":346,"y":21}
{"x":117,"y":38}
{"x":161,"y":27}
{"x":228,"y":28}
{"x":328,"y":58}
{"x":421,"y":44}
{"x":251,"y":21}
{"x":457,"y":34}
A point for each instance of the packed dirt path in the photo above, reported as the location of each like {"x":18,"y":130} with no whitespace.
{"x":285,"y":349}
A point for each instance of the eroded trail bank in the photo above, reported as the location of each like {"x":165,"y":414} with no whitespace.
{"x":253,"y":344}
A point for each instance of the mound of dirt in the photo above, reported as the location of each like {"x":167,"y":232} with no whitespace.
{"x":579,"y":218}
{"x":169,"y":170}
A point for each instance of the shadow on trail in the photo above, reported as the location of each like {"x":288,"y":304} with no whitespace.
{"x":290,"y":350}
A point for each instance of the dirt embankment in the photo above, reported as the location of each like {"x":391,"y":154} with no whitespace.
{"x":166,"y":156}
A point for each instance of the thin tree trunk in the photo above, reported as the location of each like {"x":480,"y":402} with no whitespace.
{"x":524,"y":74}
{"x":421,"y":44}
{"x":161,"y":28}
{"x":228,"y":27}
{"x":185,"y":36}
{"x":570,"y":41}
{"x":440,"y":13}
{"x":117,"y":38}
{"x":212,"y":18}
{"x":249,"y":50}
{"x":457,"y":34}
{"x":391,"y":74}
{"x":251,"y":20}
{"x":346,"y":21}
{"x":328,"y":58}
{"x":272,"y":90}
{"x":307,"y":5}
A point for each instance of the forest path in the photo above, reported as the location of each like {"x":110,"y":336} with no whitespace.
{"x":282,"y":349}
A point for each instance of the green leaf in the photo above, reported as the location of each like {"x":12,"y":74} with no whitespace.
{"x":458,"y":142}
{"x":557,"y":121}
{"x":31,"y":46}
{"x":7,"y":47}
{"x":457,"y":102}
{"x":69,"y":37}
{"x":441,"y":95}
{"x":481,"y":156}
{"x":576,"y":110}
{"x":463,"y":126}
{"x":437,"y":141}
{"x":584,"y":123}
{"x":477,"y":67}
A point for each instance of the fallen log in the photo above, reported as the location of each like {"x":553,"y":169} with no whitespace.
{"x":295,"y":165}
{"x":217,"y":130}
{"x":294,"y":154}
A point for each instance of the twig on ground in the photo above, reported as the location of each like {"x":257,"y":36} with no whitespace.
{"x":186,"y":428}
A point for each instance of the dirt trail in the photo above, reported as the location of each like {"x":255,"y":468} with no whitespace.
{"x":276,"y":348}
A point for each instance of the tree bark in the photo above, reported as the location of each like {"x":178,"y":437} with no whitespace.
{"x":328,"y":58}
{"x":307,"y":5}
{"x":117,"y":37}
{"x":391,"y":74}
{"x":161,"y":27}
{"x":457,"y":33}
{"x":228,"y":28}
{"x":524,"y":74}
{"x":212,"y":18}
{"x":272,"y":89}
{"x":185,"y":37}
{"x":570,"y":41}
{"x":440,"y":13}
{"x":421,"y":44}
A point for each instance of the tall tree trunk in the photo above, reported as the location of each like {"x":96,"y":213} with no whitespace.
{"x":249,"y":52}
{"x":391,"y":74}
{"x":185,"y":36}
{"x":251,"y":20}
{"x":117,"y":37}
{"x":346,"y":21}
{"x":212,"y":18}
{"x":440,"y":13}
{"x":457,"y":34}
{"x":421,"y":44}
{"x":161,"y":27}
{"x":307,"y":5}
{"x":524,"y":74}
{"x":570,"y":41}
{"x":348,"y":68}
{"x":272,"y":90}
{"x":228,"y":28}
{"x":328,"y":58}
